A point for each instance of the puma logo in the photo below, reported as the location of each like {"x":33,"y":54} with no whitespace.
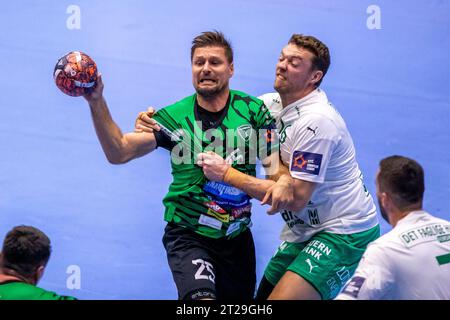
{"x":313,"y":130}
{"x":311,"y":267}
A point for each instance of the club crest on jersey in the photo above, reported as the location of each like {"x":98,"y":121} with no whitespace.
{"x":306,"y":162}
{"x":244,"y":131}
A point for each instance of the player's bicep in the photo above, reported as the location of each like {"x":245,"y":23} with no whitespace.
{"x":138,"y":144}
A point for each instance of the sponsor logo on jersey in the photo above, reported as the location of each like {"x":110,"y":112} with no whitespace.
{"x":353,"y":287}
{"x":237,"y":225}
{"x":236,"y":213}
{"x":306,"y":162}
{"x":444,"y":238}
{"x":222,"y":189}
{"x":214,"y":206}
{"x":233,"y":227}
{"x":210,"y":222}
{"x":313,"y":217}
{"x":224,"y":217}
{"x":291,"y":219}
{"x":312,"y":130}
{"x":427,"y":233}
{"x":231,"y":204}
{"x":223,"y":194}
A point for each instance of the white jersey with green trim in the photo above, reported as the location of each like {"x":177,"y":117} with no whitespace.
{"x":317,"y":147}
{"x":411,"y":262}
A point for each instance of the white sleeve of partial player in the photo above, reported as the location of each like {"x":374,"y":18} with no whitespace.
{"x":269,"y":97}
{"x":373,"y":278}
{"x":313,"y":141}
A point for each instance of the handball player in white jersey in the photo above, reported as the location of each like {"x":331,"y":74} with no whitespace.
{"x":412,"y":261}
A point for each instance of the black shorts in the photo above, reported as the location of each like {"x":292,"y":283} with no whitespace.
{"x":203,"y":267}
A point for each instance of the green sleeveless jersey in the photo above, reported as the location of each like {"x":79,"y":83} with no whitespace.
{"x":24,"y":291}
{"x":245,"y":132}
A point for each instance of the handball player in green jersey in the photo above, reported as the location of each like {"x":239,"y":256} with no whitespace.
{"x":209,"y":245}
{"x":25,"y":253}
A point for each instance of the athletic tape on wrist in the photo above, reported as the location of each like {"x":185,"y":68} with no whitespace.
{"x":232,"y":176}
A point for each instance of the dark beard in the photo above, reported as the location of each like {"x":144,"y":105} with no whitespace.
{"x":383,"y":212}
{"x":210,"y":93}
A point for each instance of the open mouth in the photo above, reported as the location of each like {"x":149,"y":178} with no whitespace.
{"x":207,"y":81}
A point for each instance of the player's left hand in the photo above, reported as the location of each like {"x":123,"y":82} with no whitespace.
{"x":214,"y":166}
{"x":280,"y":195}
{"x":145,"y":123}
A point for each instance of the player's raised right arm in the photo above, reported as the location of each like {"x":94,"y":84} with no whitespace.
{"x":118,"y":147}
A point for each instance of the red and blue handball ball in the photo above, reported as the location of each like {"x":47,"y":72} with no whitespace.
{"x":75,"y":74}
